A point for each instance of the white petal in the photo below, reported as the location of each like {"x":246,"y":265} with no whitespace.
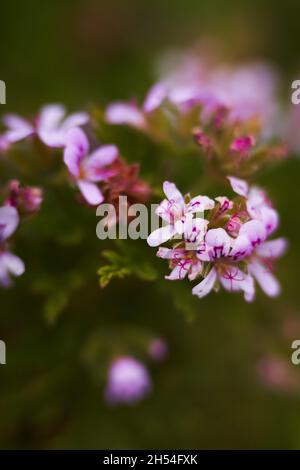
{"x":272,"y":248}
{"x":219,"y":241}
{"x":270,"y":219}
{"x":254,"y":231}
{"x":205,"y":286}
{"x":18,"y":128}
{"x":13,"y":264}
{"x":265,"y":279}
{"x":168,"y":253}
{"x":233,"y":280}
{"x":179,"y":272}
{"x":9,"y":220}
{"x":155,"y":97}
{"x":90,"y":192}
{"x":125,"y":113}
{"x":242,"y":247}
{"x":161,"y":235}
{"x":200,"y":203}
{"x":76,"y":137}
{"x":75,"y":120}
{"x":172,"y":193}
{"x":256,"y":200}
{"x":101,"y":157}
{"x":50,"y":117}
{"x":239,"y":186}
{"x":194,"y":229}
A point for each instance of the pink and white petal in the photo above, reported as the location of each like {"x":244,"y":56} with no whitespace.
{"x":96,"y":175}
{"x":102,"y":156}
{"x":256,"y":200}
{"x":273,"y":248}
{"x":270,"y":219}
{"x":239,"y":186}
{"x":163,"y":211}
{"x":265,"y":278}
{"x":241,"y":248}
{"x":195,"y":269}
{"x":200,"y":203}
{"x":50,"y":117}
{"x":233,"y":280}
{"x":168,"y":253}
{"x":155,"y":97}
{"x":18,"y":128}
{"x":90,"y":192}
{"x":72,"y":158}
{"x":194,"y":229}
{"x":13,"y":264}
{"x":125,"y":113}
{"x":9,"y":220}
{"x":249,"y":289}
{"x":172,"y":193}
{"x":161,"y":235}
{"x":5,"y":280}
{"x":55,"y":138}
{"x":225,"y":204}
{"x":179,"y":272}
{"x":76,"y":137}
{"x":255,"y":231}
{"x":202,"y":252}
{"x":219,"y":242}
{"x":205,"y":286}
{"x":75,"y":120}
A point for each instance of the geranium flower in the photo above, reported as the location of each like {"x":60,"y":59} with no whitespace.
{"x":173,"y":210}
{"x":88,"y":169}
{"x":51,"y":126}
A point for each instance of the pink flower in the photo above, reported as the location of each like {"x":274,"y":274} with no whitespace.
{"x":9,"y":264}
{"x":51,"y":126}
{"x":88,"y":169}
{"x":128,"y":381}
{"x":182,"y":262}
{"x":174,"y":210}
{"x":223,"y":253}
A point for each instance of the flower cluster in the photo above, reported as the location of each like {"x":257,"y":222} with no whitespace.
{"x":229,"y":113}
{"x":223,"y":242}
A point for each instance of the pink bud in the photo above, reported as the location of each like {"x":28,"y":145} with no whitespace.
{"x":242,"y":145}
{"x":27,"y":200}
{"x":203,"y":141}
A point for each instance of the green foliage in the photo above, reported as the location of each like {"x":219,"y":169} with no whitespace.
{"x":121,"y":265}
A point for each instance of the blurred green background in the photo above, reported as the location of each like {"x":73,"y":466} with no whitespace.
{"x":208,"y":393}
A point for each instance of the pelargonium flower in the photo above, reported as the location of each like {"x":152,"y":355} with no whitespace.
{"x":128,"y":381}
{"x":10,"y":264}
{"x":86,"y":168}
{"x":175,"y":212}
{"x":50,"y":126}
{"x":232,"y":258}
